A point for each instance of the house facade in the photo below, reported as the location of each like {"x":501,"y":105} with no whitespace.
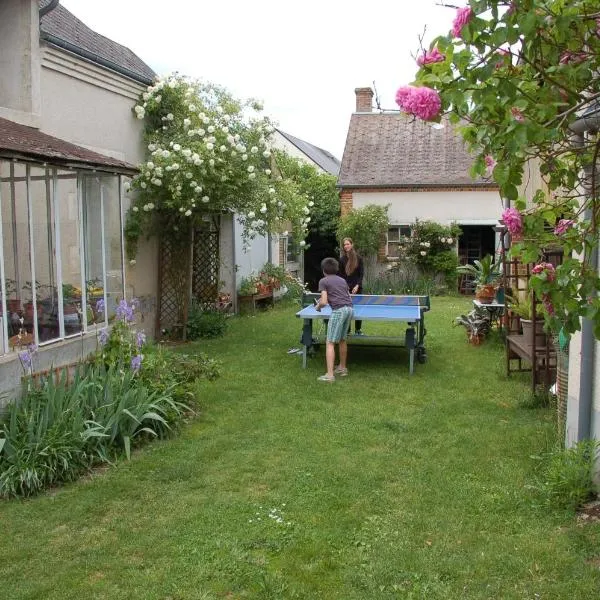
{"x":68,"y":143}
{"x":420,"y":172}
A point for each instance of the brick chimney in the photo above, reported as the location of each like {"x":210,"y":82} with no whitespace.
{"x":364,"y":99}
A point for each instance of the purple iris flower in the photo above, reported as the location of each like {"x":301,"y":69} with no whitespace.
{"x":140,"y":339}
{"x":125,"y":312}
{"x":103,"y":337}
{"x":136,"y":362}
{"x":25,"y":358}
{"x":100,"y":306}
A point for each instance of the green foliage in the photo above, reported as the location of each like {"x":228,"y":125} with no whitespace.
{"x":319,"y":187}
{"x":449,"y":520}
{"x":478,"y":324}
{"x":60,"y":428}
{"x":431,"y":246}
{"x":405,"y":278}
{"x":366,"y":226}
{"x":514,"y":83}
{"x":565,"y":479}
{"x":205,"y":322}
{"x":484,"y":272}
{"x":207,"y":152}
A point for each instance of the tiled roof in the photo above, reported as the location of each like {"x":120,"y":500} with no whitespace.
{"x":59,"y":25}
{"x":395,"y":150}
{"x":324,"y":159}
{"x":19,"y":141}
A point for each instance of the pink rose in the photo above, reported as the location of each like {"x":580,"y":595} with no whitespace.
{"x":423,"y":102}
{"x":490,"y":163}
{"x":563,"y":226}
{"x":428,"y":58}
{"x":545,"y":267}
{"x":548,"y":306}
{"x":513,"y":220}
{"x":463,"y":16}
{"x":517,"y":114}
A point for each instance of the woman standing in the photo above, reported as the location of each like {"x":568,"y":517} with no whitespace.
{"x":352,"y":270}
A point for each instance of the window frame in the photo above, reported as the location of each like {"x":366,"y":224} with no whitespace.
{"x":51,"y":174}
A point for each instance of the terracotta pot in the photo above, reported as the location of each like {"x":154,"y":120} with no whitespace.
{"x":485,"y":293}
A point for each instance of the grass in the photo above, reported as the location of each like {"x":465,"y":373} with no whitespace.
{"x":381,"y":485}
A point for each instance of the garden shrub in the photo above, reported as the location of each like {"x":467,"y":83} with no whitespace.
{"x":205,"y":322}
{"x":565,"y":478}
{"x":405,"y":278}
{"x":119,"y":399}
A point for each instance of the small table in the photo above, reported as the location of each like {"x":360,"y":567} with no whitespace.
{"x":494,"y":309}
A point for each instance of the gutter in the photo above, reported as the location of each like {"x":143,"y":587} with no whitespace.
{"x":48,"y":8}
{"x":56,"y":41}
{"x":589,"y":122}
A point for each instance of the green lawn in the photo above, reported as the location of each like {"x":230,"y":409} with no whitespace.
{"x":381,"y":485}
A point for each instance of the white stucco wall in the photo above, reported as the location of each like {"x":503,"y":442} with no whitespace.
{"x":466,"y":208}
{"x":90,"y":106}
{"x":278,"y":142}
{"x":19,"y":61}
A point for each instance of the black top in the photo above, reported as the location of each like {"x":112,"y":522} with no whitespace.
{"x":356,"y":277}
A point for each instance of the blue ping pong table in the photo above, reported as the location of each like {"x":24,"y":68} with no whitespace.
{"x":394,"y":309}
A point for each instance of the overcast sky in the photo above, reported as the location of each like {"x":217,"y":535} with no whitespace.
{"x":302,"y":59}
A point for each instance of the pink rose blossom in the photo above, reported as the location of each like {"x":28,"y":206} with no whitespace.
{"x":463,"y":16}
{"x":545,"y":267}
{"x":513,"y":220}
{"x":502,"y":54}
{"x":568,"y":57}
{"x":517,"y":114}
{"x":563,"y":226}
{"x":423,"y":102}
{"x":490,"y":163}
{"x":428,"y":58}
{"x":548,"y":306}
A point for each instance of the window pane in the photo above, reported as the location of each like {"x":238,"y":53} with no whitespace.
{"x":112,"y":242}
{"x":70,"y":251}
{"x":15,"y":241}
{"x":393,"y":234}
{"x":44,"y":255}
{"x":92,"y":232}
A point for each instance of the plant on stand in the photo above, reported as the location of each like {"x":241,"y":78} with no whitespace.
{"x":484,"y":273}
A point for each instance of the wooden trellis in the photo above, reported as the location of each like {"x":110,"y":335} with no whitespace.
{"x":205,"y":272}
{"x":187,"y":271}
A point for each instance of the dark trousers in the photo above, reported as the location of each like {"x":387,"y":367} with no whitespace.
{"x":358,"y":324}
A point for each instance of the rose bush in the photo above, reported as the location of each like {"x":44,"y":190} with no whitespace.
{"x":514,"y":78}
{"x":207,"y":152}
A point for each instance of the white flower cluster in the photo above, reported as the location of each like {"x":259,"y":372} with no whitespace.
{"x":447,"y":240}
{"x":207,"y":154}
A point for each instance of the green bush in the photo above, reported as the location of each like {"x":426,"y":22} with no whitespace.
{"x":205,"y":322}
{"x":59,"y":429}
{"x":565,"y":478}
{"x":405,"y":279}
{"x":366,"y":226}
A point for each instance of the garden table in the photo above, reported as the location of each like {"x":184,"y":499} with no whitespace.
{"x":494,"y":309}
{"x":390,"y":308}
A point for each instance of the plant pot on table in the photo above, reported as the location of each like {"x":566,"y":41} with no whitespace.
{"x":485,"y":293}
{"x":528,"y":327}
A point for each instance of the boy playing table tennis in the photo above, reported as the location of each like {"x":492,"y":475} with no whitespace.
{"x":334,"y":291}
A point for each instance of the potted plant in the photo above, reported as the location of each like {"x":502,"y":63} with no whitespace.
{"x":529,"y":321}
{"x":484,"y":273}
{"x":248,"y":286}
{"x":477,"y":323}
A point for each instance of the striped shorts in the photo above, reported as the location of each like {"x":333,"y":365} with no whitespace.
{"x":339,"y":324}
